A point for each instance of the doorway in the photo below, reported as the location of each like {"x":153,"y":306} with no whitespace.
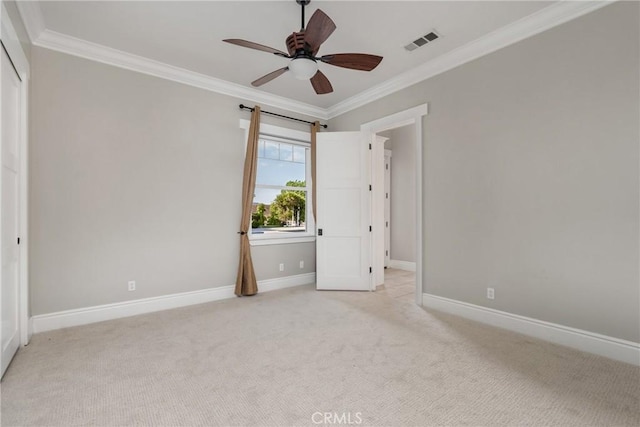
{"x":399,"y":212}
{"x":410,"y":119}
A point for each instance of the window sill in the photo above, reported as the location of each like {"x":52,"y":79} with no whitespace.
{"x":281,"y":240}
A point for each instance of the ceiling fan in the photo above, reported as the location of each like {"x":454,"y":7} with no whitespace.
{"x":303,"y":47}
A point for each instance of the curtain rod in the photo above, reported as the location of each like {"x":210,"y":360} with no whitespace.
{"x":244,"y":107}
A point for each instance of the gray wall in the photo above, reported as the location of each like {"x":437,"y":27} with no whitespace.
{"x":403,"y":190}
{"x":134,"y":178}
{"x":531,"y":174}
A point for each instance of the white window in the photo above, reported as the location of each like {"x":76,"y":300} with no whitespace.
{"x":282,"y":211}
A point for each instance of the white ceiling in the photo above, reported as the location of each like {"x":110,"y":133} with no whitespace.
{"x":189,"y":35}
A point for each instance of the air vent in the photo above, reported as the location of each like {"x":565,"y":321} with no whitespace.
{"x":428,"y":38}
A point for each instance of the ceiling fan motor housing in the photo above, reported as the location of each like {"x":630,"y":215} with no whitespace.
{"x":297,"y":46}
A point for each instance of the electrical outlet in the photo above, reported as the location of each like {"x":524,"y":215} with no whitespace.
{"x":491,"y":293}
{"x":301,"y":264}
{"x":132,"y":285}
{"x":281,"y":267}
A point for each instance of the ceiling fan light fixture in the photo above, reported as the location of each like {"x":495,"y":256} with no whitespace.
{"x":302,"y":48}
{"x":303,"y":68}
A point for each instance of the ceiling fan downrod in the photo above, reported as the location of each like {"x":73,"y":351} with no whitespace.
{"x":303,"y":3}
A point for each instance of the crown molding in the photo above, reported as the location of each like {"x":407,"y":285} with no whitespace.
{"x":32,"y":18}
{"x":549,"y":17}
{"x":106,"y":55}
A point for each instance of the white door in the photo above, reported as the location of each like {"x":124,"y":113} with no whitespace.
{"x":343,"y":243}
{"x":10,"y":131}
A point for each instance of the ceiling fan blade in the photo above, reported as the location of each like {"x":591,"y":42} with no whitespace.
{"x":318,"y":30}
{"x":354,"y":61}
{"x":268,"y":77}
{"x":321,"y":83}
{"x":257,"y":46}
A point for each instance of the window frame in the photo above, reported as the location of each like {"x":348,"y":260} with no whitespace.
{"x":294,"y":137}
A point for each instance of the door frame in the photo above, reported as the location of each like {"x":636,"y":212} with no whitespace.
{"x":411,"y":116}
{"x":13,"y":47}
{"x":388,"y":154}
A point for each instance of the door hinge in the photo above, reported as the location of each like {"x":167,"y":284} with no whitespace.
{"x":370,"y":270}
{"x":370,"y":229}
{"x":18,"y":240}
{"x":369,"y":187}
{"x":386,"y":253}
{"x":369,"y":146}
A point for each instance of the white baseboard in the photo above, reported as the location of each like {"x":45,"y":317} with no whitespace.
{"x":84,"y":316}
{"x":286,"y":282}
{"x":402,"y":265}
{"x":613,"y":348}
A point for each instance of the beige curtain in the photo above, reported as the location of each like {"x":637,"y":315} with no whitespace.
{"x":246,"y":283}
{"x":314,"y":131}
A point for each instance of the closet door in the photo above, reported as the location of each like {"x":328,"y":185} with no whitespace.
{"x":10,"y":109}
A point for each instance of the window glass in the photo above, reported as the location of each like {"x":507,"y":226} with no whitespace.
{"x":299,"y":154}
{"x":260,"y":148}
{"x":286,"y":152}
{"x":279,"y":172}
{"x":279,"y":211}
{"x":271,"y":150}
{"x":279,"y":207}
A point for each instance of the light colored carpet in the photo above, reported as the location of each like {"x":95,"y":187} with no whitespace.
{"x":399,"y":284}
{"x":279,"y":357}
